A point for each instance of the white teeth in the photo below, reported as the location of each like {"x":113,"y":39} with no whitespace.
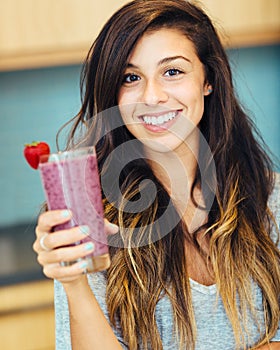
{"x":159,"y":120}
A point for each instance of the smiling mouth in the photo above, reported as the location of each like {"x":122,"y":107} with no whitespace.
{"x":159,"y":119}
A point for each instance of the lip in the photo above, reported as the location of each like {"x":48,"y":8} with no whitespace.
{"x":163,"y":127}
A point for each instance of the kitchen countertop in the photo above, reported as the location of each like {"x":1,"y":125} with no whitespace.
{"x":26,"y":296}
{"x":27,"y":320}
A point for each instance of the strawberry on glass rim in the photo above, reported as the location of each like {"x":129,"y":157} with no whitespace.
{"x":33,"y":151}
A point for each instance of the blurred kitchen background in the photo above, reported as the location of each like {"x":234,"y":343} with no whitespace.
{"x":42,"y":47}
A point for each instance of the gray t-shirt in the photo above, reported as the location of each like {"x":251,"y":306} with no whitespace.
{"x":213,"y":327}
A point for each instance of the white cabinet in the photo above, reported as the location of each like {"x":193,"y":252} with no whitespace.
{"x":246,"y":22}
{"x":36,"y":33}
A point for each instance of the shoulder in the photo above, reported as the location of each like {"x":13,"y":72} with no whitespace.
{"x":274,"y":198}
{"x":98,"y":283}
{"x":274,"y":206}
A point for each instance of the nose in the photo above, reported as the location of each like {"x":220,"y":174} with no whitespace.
{"x":154,"y":93}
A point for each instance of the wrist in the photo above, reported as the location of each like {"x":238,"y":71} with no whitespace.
{"x":77,"y":285}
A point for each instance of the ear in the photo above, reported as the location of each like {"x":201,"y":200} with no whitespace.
{"x":207,"y":89}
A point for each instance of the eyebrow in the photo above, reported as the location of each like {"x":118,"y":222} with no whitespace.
{"x":163,"y":61}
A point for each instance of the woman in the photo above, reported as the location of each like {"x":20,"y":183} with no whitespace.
{"x":196,"y":267}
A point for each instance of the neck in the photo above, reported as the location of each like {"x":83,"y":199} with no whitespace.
{"x":176,"y":171}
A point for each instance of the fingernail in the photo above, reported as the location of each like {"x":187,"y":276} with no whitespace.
{"x":83,"y":265}
{"x":65,"y":213}
{"x":84,"y":229}
{"x":89,"y":246}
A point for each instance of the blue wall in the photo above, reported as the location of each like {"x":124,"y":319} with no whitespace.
{"x":35,"y":103}
{"x":257,"y":78}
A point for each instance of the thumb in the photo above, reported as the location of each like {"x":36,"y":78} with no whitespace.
{"x":110,"y":228}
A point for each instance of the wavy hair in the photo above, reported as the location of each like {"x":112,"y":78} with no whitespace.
{"x":239,"y":221}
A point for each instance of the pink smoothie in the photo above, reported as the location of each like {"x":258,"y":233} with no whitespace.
{"x":73,"y":183}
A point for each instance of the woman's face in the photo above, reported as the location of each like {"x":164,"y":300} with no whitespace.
{"x":161,"y":99}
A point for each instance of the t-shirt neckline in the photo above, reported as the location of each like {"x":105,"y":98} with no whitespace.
{"x":212,"y":289}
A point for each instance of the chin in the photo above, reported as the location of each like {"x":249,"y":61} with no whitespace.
{"x":160,"y":146}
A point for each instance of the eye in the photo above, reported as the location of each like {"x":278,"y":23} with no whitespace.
{"x":130,"y":78}
{"x":172,"y":72}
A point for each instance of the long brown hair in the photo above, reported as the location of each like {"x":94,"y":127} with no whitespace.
{"x":144,"y":269}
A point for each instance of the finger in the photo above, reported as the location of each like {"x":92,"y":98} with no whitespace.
{"x":110,"y":228}
{"x":65,"y":274}
{"x":65,"y":254}
{"x":49,"y":219}
{"x":61,"y":238}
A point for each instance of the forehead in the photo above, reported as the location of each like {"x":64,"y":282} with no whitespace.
{"x":163,"y":42}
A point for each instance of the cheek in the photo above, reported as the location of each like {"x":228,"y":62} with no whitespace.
{"x":198,"y":109}
{"x":193,"y":101}
{"x":127,"y":111}
{"x":187,"y":93}
{"x":127,"y":96}
{"x":120,"y":97}
{"x":123,"y":105}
